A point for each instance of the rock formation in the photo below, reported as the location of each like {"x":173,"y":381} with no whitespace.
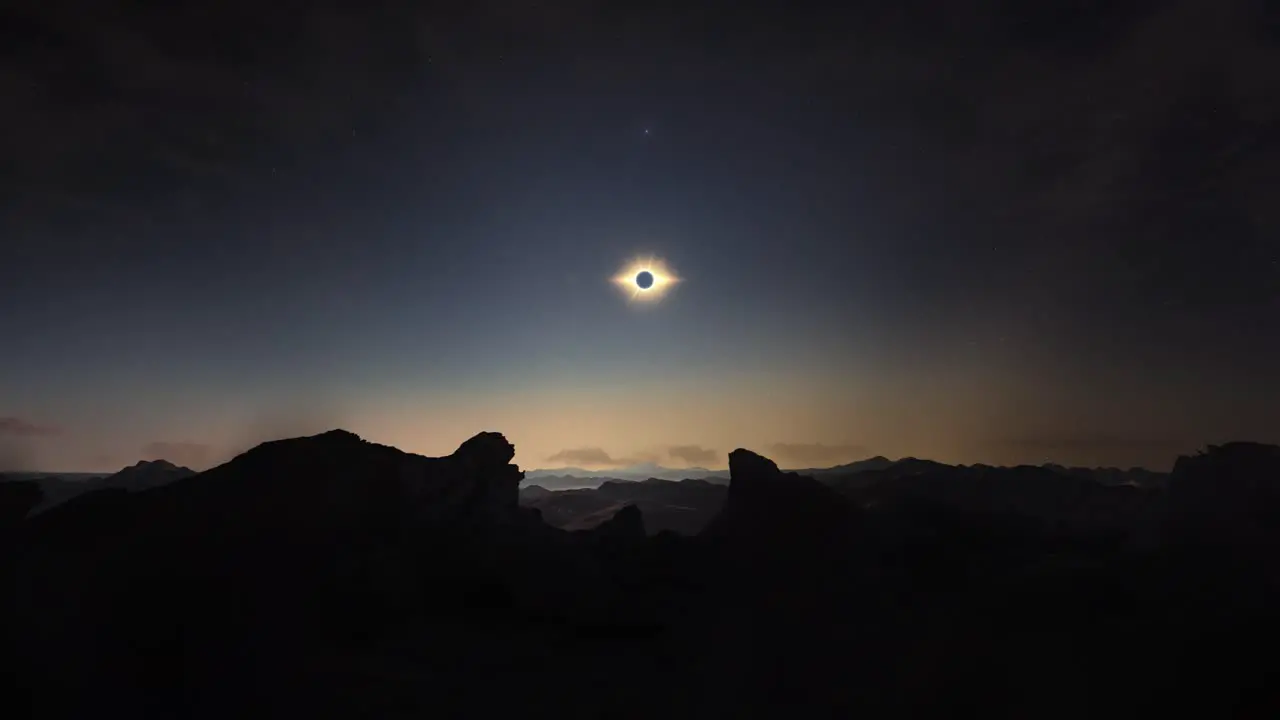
{"x":771,"y":509}
{"x":329,"y":575}
{"x":1227,"y":494}
{"x":300,"y":542}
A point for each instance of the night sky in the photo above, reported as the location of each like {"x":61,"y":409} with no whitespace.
{"x":977,"y":232}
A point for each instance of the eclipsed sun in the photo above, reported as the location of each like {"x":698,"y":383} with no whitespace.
{"x":645,"y":279}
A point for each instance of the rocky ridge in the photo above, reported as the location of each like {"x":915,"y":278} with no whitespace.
{"x":333,"y":576}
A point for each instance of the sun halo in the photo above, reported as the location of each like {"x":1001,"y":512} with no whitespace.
{"x":627,"y":280}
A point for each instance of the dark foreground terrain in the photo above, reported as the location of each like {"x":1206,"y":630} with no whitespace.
{"x":328,"y":576}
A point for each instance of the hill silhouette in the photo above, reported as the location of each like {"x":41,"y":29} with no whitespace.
{"x":142,"y":475}
{"x":335,"y":577}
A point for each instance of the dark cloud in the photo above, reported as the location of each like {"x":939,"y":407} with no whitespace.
{"x":586,"y":456}
{"x":693,"y":454}
{"x":817,"y":453}
{"x":190,"y":454}
{"x":17,"y":427}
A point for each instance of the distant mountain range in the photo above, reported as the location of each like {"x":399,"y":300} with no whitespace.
{"x":568,"y":478}
{"x":575,"y":478}
{"x":61,"y":487}
{"x":685,"y":506}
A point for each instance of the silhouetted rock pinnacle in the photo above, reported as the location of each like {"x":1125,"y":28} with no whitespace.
{"x":486,"y":450}
{"x":746,"y":466}
{"x":768,"y":509}
{"x":1230,"y":493}
{"x":477,"y":483}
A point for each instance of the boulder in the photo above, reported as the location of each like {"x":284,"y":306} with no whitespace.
{"x":1227,"y":494}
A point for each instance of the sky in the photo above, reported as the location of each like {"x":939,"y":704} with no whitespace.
{"x":977,"y":232}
